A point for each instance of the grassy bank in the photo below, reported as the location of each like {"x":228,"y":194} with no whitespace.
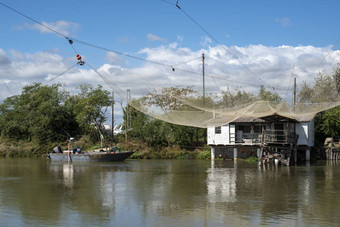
{"x":16,"y":149}
{"x":172,"y":152}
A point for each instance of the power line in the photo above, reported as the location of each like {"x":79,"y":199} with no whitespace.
{"x":158,"y":63}
{"x":30,"y":18}
{"x":72,"y":40}
{"x":187,"y":61}
{"x":59,"y":74}
{"x":330,"y":51}
{"x":212,"y":37}
{"x":8,"y":88}
{"x":170,"y":3}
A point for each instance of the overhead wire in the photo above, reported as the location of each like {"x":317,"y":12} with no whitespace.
{"x":8,"y":88}
{"x":324,"y":58}
{"x":212,"y":37}
{"x":72,"y":40}
{"x":330,"y":51}
{"x":60,"y":74}
{"x":170,"y":3}
{"x":105,"y":79}
{"x":187,"y":61}
{"x":30,"y":18}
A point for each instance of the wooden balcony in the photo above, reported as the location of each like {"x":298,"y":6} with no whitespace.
{"x":266,"y":137}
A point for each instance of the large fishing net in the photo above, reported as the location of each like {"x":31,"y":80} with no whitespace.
{"x":185,"y":105}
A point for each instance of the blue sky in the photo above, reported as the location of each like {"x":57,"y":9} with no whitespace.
{"x":125,"y":24}
{"x":274,"y":39}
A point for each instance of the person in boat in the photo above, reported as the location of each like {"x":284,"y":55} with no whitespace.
{"x":57,"y":149}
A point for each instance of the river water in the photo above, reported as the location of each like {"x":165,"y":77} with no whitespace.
{"x":168,"y":193}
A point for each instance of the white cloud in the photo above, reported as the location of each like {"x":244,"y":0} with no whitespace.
{"x":153,"y":38}
{"x":285,"y":22}
{"x":255,"y":65}
{"x":4,"y":60}
{"x":114,"y":59}
{"x":64,"y":27}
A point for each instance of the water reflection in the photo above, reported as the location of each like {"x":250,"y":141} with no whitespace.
{"x":221,"y":184}
{"x":68,"y":175}
{"x":168,"y":193}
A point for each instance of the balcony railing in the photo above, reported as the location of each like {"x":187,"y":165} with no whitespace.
{"x":274,"y":136}
{"x":279,"y":136}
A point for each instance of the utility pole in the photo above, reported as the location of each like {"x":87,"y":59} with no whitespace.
{"x":294,"y":91}
{"x":113,"y":116}
{"x":203,"y":76}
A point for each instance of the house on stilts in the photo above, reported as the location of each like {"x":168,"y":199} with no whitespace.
{"x":272,"y":137}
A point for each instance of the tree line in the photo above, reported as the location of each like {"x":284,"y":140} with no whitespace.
{"x":48,"y":114}
{"x":45,"y":114}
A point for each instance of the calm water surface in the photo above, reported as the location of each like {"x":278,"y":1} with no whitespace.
{"x":168,"y":193}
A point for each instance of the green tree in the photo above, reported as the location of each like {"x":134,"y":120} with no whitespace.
{"x":156,"y":132}
{"x":36,"y":115}
{"x":331,"y":122}
{"x":168,"y":98}
{"x":230,"y":99}
{"x":269,"y":96}
{"x":324,"y":90}
{"x":90,"y":107}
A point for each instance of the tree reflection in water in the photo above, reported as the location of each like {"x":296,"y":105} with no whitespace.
{"x":167,"y":193}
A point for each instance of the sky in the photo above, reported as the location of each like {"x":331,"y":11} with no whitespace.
{"x":246,"y":44}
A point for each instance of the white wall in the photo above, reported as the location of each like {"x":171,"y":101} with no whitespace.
{"x":218,"y":139}
{"x":305,"y":130}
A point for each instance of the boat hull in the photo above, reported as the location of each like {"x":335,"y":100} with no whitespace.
{"x":91,"y":156}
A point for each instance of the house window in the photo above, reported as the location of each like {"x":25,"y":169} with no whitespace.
{"x":218,"y":130}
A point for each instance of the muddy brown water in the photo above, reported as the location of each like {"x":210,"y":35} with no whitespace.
{"x":168,"y":193}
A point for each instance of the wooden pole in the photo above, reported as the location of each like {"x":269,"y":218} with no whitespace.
{"x":294,"y":91}
{"x":69,"y":159}
{"x":203,"y":76}
{"x":113,"y":117}
{"x":127,"y":124}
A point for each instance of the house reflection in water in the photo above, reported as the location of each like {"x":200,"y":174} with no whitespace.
{"x":221,"y":184}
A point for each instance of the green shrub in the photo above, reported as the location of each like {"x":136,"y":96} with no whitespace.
{"x":204,"y":155}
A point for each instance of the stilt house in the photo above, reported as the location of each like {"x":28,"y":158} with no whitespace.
{"x":274,"y":136}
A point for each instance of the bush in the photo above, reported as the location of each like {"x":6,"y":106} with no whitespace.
{"x":204,"y":155}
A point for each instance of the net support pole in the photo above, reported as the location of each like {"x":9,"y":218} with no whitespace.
{"x":203,"y":77}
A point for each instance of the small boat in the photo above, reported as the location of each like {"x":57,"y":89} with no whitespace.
{"x":76,"y":155}
{"x":90,"y":156}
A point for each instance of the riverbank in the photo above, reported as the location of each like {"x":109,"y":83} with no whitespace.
{"x":171,"y":152}
{"x":19,"y":149}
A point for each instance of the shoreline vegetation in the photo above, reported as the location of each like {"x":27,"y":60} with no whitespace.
{"x":43,"y":117}
{"x":20,"y":149}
